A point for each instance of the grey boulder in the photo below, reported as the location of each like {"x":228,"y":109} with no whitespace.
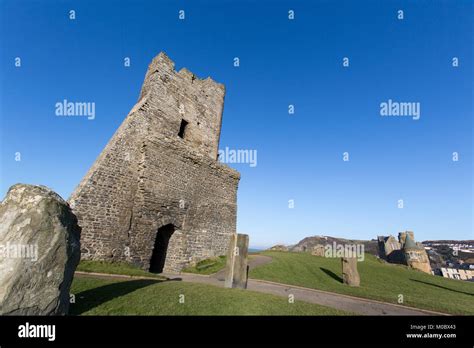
{"x":39,"y":251}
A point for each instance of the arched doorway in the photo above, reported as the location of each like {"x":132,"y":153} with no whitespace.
{"x":158,"y":256}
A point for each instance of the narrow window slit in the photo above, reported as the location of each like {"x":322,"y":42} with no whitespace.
{"x":182,"y":128}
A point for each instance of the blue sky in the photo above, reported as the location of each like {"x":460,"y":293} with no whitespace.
{"x":282,"y":62}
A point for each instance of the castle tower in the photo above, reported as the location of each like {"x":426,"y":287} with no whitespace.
{"x":389,"y":250}
{"x":403,"y":235}
{"x":415,"y":255}
{"x":157,"y":196}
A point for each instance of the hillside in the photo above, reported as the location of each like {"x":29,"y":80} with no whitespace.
{"x":379,"y":281}
{"x":308,"y":243}
{"x":440,"y":254}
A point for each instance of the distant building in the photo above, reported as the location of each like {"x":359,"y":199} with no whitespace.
{"x":455,"y":273}
{"x":404,"y":251}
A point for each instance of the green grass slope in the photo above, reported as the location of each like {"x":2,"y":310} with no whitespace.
{"x":122,"y":268}
{"x":379,"y":281}
{"x":95,"y":296}
{"x":207,"y":266}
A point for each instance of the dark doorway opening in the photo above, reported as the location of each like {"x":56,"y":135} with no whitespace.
{"x":182,"y":129}
{"x":158,"y":256}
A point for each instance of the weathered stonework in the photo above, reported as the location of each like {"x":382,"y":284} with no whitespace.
{"x":157,"y":195}
{"x":404,"y":251}
{"x":236,"y":271}
{"x":40,"y":250}
{"x":415,"y":255}
{"x":350,"y":274}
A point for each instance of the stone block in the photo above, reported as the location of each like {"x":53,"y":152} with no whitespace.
{"x":350,"y":275}
{"x":237,"y":262}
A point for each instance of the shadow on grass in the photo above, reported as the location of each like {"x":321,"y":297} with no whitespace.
{"x":331,"y":274}
{"x":86,"y":300}
{"x":442,"y":287}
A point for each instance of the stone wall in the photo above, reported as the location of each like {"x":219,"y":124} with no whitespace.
{"x":403,"y":235}
{"x":418,"y":259}
{"x":148,"y":176}
{"x":423,"y":265}
{"x":395,"y":251}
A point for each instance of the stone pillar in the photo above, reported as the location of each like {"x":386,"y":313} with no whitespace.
{"x":236,"y":267}
{"x":350,"y":275}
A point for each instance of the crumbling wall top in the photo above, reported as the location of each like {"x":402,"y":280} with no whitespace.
{"x":189,"y":107}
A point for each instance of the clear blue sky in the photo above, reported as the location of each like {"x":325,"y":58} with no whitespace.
{"x":282,"y":62}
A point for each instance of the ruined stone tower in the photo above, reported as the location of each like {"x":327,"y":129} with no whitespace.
{"x":157,"y":196}
{"x":404,"y":251}
{"x":415,"y":254}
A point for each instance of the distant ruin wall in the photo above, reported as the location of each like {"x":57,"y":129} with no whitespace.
{"x":395,"y":251}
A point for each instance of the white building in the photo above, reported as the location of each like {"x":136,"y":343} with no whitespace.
{"x":454,"y":273}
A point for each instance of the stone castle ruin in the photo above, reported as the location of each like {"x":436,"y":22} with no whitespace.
{"x":404,"y":251}
{"x":157,"y":196}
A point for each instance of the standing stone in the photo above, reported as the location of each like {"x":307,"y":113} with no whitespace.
{"x":236,"y":266}
{"x":39,"y":251}
{"x":350,"y":275}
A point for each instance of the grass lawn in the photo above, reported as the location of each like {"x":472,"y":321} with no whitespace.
{"x":379,"y":281}
{"x":208,"y":266}
{"x":114,"y":268}
{"x":95,"y":296}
